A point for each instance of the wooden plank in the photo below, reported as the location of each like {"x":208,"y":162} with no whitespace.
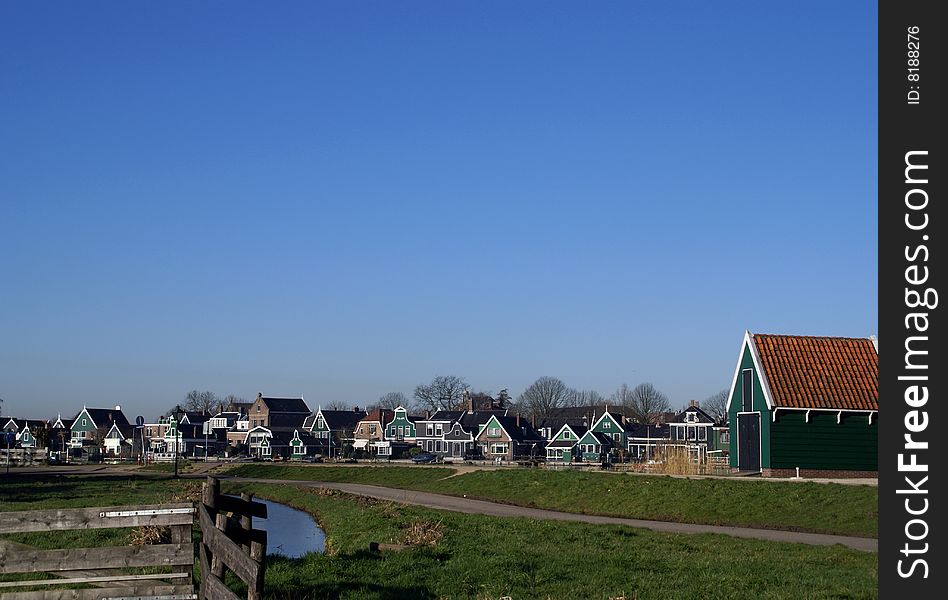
{"x":230,"y":553}
{"x":239,"y":506}
{"x":215,"y":588}
{"x":242,"y":536}
{"x":91,"y":518}
{"x":205,"y":569}
{"x":181,"y":534}
{"x":78,"y":580}
{"x":31,"y":560}
{"x":258,"y":552}
{"x":155,"y":592}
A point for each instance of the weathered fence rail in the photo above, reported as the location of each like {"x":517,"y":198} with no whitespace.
{"x":230,"y":543}
{"x":105,"y":568}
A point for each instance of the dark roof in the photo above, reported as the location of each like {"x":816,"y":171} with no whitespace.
{"x":471,"y":421}
{"x":286,"y":405}
{"x":127,"y":431}
{"x":284,"y":438}
{"x":521,"y":433}
{"x":820,"y":372}
{"x":191,"y":431}
{"x":603,"y":438}
{"x":286,"y":421}
{"x":104,"y":417}
{"x":703,"y":417}
{"x":382,"y":415}
{"x":445,"y":415}
{"x":640,"y":430}
{"x":562,"y":443}
{"x":67,"y":423}
{"x":342,"y":419}
{"x":196,"y":417}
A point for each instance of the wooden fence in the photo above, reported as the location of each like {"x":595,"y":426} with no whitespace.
{"x":230,"y":543}
{"x":107,"y":569}
{"x":129,"y":572}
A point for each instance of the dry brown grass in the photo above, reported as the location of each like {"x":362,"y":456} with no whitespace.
{"x":150,"y":535}
{"x":189,"y":492}
{"x":422,"y":533}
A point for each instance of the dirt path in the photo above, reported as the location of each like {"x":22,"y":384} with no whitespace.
{"x":466,"y":505}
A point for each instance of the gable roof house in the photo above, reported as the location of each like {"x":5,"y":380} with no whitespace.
{"x":509,"y":438}
{"x":369,"y":431}
{"x":642,"y":439}
{"x":805,"y":402}
{"x":334,"y":428}
{"x":563,"y":447}
{"x":29,"y":433}
{"x":59,"y":433}
{"x":430,"y":430}
{"x":692,"y":430}
{"x":91,"y":425}
{"x":119,"y":440}
{"x":596,"y":446}
{"x":278,"y":413}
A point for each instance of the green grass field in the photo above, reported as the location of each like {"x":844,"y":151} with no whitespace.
{"x":480,"y":557}
{"x":814,"y":507}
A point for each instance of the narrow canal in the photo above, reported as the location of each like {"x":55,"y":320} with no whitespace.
{"x":290,"y":532}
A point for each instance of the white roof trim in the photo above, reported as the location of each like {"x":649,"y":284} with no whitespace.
{"x":761,"y":376}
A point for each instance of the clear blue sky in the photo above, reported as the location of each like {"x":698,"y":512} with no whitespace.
{"x":341,"y":199}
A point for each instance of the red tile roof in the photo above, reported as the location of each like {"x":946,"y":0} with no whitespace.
{"x":820,"y":372}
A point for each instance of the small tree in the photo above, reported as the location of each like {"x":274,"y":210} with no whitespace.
{"x":647,"y":403}
{"x":197,"y":401}
{"x":544,"y":396}
{"x":336,"y":405}
{"x":716,"y":406}
{"x":445,"y":392}
{"x":393,"y":400}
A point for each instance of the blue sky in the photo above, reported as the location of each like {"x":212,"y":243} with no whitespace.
{"x":341,"y":199}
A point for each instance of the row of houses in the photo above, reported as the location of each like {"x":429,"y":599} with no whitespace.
{"x":285,"y":428}
{"x":795,"y":403}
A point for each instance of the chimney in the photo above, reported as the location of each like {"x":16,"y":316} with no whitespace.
{"x":518,"y":419}
{"x":692,"y":403}
{"x":427,"y":415}
{"x":623,"y":420}
{"x":470,"y":403}
{"x":259,"y":395}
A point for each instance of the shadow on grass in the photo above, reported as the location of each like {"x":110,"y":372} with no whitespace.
{"x":360,"y":580}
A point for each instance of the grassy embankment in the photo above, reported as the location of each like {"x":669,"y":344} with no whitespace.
{"x":483,"y":557}
{"x":815,"y":507}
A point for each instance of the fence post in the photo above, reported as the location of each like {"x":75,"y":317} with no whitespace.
{"x":246,"y":521}
{"x":258,"y":553}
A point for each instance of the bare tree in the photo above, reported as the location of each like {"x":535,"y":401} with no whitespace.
{"x":393,"y":400}
{"x":716,"y":405}
{"x":586,"y":398}
{"x":647,"y":403}
{"x":443,"y":393}
{"x":336,"y":405}
{"x":200,"y":401}
{"x":622,"y":396}
{"x":544,"y":395}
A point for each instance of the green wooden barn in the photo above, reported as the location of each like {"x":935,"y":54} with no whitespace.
{"x":805,"y":403}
